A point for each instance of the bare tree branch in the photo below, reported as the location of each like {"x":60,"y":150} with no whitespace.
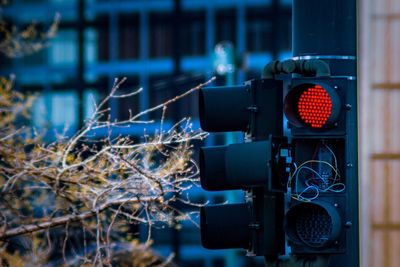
{"x":62,"y":220}
{"x":104,"y":183}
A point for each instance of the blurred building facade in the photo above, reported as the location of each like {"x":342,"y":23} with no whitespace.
{"x":164,"y":46}
{"x":380,"y":131}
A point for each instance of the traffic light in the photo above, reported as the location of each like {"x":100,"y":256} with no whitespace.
{"x":322,"y":215}
{"x":302,"y":186}
{"x":254,"y":108}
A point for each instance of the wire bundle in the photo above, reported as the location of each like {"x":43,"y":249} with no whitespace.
{"x":317,"y":183}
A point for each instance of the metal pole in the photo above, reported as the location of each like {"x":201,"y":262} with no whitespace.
{"x":327,"y":30}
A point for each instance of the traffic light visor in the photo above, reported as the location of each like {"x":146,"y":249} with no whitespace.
{"x":312,"y":105}
{"x":235,"y":166}
{"x":224,"y":108}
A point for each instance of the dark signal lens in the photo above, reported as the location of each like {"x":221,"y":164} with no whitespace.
{"x":315,"y":224}
{"x":315,"y":106}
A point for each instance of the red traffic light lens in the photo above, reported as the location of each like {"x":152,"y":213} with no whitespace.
{"x":312,"y":105}
{"x":315,"y":106}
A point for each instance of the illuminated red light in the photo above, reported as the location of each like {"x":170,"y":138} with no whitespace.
{"x":315,"y":106}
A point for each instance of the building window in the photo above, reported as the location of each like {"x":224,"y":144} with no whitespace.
{"x":56,"y":110}
{"x":37,"y":58}
{"x":226,"y":25}
{"x":91,"y":53}
{"x":161,"y":89}
{"x":130,"y":105}
{"x":160,"y":35}
{"x":165,"y":87}
{"x":91,"y":45}
{"x":103,"y":37}
{"x":59,"y":109}
{"x":188,"y":106}
{"x":40,"y":112}
{"x":259,"y":31}
{"x":128,"y":36}
{"x":91,"y":98}
{"x":64,"y":48}
{"x":64,"y":109}
{"x":193,"y":34}
{"x":260,"y":24}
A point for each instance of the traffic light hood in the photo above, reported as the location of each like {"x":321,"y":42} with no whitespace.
{"x":224,"y":108}
{"x":235,"y":166}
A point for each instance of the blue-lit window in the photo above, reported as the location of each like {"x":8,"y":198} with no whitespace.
{"x":129,"y":105}
{"x":159,"y":86}
{"x":91,"y":53}
{"x":91,"y":45}
{"x":64,"y":48}
{"x":161,"y":89}
{"x":259,"y":31}
{"x":40,"y":112}
{"x":188,"y":106}
{"x":260,"y":26}
{"x":56,"y":110}
{"x":35,"y":59}
{"x":64,"y":110}
{"x":103,"y":37}
{"x":193,"y":33}
{"x":226,"y":25}
{"x":128,"y":36}
{"x":90,"y":99}
{"x":43,"y":10}
{"x":59,"y":110}
{"x":161,"y":35}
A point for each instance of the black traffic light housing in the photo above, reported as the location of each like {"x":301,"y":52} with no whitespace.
{"x":340,"y":92}
{"x":301,"y":194}
{"x":323,"y":186}
{"x":254,"y":108}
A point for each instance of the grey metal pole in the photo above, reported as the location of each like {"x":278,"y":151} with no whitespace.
{"x":327,"y":30}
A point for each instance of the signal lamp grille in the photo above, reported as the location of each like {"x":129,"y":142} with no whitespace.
{"x":315,"y":106}
{"x":314,"y":227}
{"x":313,"y":224}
